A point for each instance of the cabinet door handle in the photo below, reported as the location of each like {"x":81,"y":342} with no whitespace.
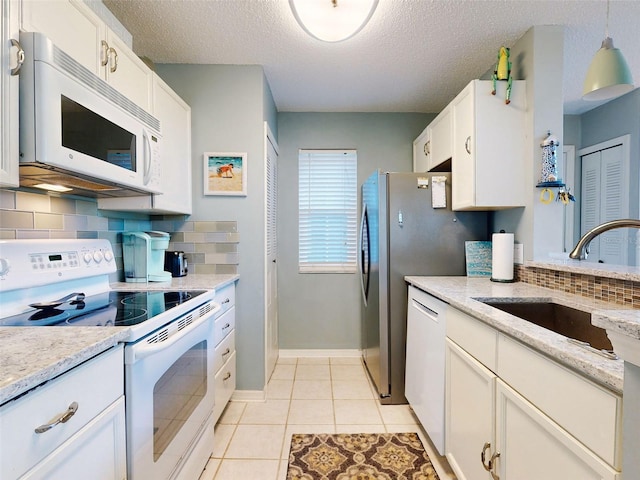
{"x":467,"y":144}
{"x":113,"y":66}
{"x":226,"y":352}
{"x":62,"y":418}
{"x":492,"y":462}
{"x":227,"y":300}
{"x":487,"y":466}
{"x":226,"y":326}
{"x":227,"y":376}
{"x":104,"y":53}
{"x":427,"y":148}
{"x":19,"y":57}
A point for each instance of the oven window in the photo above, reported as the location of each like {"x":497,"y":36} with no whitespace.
{"x":177,"y":394}
{"x":87,"y":132}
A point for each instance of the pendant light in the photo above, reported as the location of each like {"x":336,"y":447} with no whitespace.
{"x":332,"y":20}
{"x":608,"y":75}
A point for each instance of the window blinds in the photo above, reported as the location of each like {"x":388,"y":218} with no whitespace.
{"x":327,"y":211}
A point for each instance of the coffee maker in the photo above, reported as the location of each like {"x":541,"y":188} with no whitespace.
{"x":143,"y":255}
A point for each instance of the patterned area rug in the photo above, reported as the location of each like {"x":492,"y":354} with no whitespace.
{"x":363,"y":456}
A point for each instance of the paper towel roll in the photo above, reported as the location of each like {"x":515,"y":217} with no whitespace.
{"x":502,"y":257}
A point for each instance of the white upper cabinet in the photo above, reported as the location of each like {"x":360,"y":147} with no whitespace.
{"x":434,"y":145}
{"x":441,"y":139}
{"x":489,"y":145}
{"x":422,"y":151}
{"x":175,"y":122}
{"x":78,"y":31}
{"x":9,"y":58}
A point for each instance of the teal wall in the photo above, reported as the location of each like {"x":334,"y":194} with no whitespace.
{"x":618,"y":117}
{"x":322,"y":311}
{"x":229,"y":105}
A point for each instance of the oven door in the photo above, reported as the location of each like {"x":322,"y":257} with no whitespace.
{"x":169,"y":393}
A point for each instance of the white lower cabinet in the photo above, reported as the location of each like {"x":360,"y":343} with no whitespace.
{"x":514,"y":421}
{"x":532,"y":446}
{"x":225,"y":351}
{"x":86,"y":439}
{"x":470,"y":417}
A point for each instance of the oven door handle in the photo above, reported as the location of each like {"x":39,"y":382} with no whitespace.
{"x":143,"y":349}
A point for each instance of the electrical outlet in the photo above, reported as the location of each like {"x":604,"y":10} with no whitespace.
{"x":518,"y":253}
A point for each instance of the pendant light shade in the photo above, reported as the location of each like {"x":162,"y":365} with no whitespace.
{"x":332,"y":20}
{"x":608,"y":75}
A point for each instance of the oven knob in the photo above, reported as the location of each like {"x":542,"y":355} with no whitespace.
{"x":108,"y":256}
{"x":4,"y":266}
{"x":97,"y":256}
{"x":87,"y":257}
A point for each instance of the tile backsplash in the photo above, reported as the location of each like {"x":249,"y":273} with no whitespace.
{"x":622,"y":292}
{"x":210,"y":247}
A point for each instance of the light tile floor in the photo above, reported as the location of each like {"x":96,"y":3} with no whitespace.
{"x":304,"y":395}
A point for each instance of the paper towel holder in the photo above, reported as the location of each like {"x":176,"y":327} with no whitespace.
{"x":499,"y":280}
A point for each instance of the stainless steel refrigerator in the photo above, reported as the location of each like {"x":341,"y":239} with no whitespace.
{"x":402,"y":234}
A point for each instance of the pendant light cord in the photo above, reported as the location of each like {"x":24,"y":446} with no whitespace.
{"x":606,"y":29}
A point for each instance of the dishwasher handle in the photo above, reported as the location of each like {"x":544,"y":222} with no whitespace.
{"x":426,"y":310}
{"x":144,"y":349}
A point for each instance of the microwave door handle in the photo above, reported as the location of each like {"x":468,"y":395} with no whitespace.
{"x":143,"y":350}
{"x":147,"y":157}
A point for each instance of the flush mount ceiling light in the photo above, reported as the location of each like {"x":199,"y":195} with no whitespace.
{"x":608,"y":75}
{"x":332,"y":20}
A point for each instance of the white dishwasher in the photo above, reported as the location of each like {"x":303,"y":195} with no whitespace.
{"x":425,"y":375}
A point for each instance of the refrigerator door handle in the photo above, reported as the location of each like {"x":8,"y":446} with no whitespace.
{"x":365,"y":254}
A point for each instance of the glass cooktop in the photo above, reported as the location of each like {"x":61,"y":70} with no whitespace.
{"x":112,"y":308}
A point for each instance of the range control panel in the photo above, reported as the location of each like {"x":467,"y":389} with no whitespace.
{"x":52,"y":261}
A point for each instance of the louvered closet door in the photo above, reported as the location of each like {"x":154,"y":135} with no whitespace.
{"x":602,"y":202}
{"x":272,"y":251}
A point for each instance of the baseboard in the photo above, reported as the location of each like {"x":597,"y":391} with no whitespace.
{"x":249,"y":396}
{"x":312,"y":352}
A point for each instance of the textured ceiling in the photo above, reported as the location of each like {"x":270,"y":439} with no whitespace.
{"x":413,"y":56}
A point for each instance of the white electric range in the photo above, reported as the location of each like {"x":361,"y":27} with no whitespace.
{"x":169,"y":371}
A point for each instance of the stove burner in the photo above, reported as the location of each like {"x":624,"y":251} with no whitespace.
{"x":129,"y":316}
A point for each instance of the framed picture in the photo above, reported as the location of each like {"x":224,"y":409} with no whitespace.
{"x":225,"y":173}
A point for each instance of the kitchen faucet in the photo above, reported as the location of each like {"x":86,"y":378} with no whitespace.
{"x":581,"y":250}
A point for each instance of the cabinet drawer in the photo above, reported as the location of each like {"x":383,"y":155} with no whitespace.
{"x":224,"y":325}
{"x":226,"y":297}
{"x":587,"y":411}
{"x":94,"y":385}
{"x":224,"y":350}
{"x":225,"y":385}
{"x":478,"y":339}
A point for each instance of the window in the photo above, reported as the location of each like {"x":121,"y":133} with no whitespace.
{"x":327,"y":211}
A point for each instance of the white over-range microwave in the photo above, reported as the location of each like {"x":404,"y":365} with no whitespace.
{"x":79,"y":133}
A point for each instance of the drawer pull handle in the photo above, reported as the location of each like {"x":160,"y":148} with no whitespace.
{"x":226,"y":352}
{"x":62,"y":418}
{"x":226,"y":300}
{"x":226,"y":326}
{"x":467,"y":145}
{"x":227,"y":376}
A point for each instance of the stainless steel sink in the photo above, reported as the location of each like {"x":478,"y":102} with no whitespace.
{"x":567,"y":321}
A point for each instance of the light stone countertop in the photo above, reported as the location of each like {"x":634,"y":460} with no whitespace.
{"x":462,"y":292}
{"x":190,"y":282}
{"x":30,"y":356}
{"x":626,"y":322}
{"x":620,"y":272}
